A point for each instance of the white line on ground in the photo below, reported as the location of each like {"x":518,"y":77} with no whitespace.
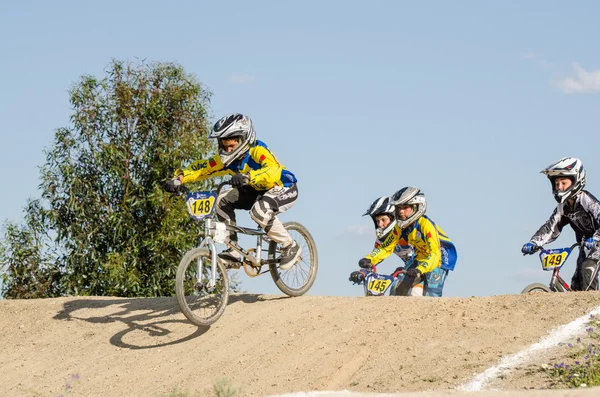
{"x":558,"y":335}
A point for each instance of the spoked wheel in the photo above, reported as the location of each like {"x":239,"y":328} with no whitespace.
{"x":299,"y":278}
{"x":200,"y":302}
{"x":535,"y":288}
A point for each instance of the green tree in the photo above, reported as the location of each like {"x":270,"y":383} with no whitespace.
{"x":103,"y":226}
{"x":32,"y":268}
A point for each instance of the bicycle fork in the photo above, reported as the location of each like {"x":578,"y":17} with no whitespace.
{"x":210,"y":244}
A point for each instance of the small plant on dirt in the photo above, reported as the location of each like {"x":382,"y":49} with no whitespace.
{"x":221,"y":388}
{"x":69,"y":385}
{"x":180,"y":393}
{"x":224,"y":388}
{"x":583,"y":367}
{"x":177,"y":393}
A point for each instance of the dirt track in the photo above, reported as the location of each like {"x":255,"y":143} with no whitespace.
{"x":269,"y":345}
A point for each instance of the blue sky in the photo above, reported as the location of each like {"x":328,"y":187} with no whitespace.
{"x":467,"y":100}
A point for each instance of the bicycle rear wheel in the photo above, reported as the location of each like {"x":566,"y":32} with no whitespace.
{"x":200,"y":303}
{"x":535,"y":288}
{"x":298,"y":279}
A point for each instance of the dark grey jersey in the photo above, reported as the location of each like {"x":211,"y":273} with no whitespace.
{"x":583,"y":216}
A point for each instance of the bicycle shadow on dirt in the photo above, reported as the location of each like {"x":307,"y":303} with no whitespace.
{"x":148,"y":320}
{"x":253,"y":298}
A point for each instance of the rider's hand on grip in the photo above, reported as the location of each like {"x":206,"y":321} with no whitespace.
{"x":239,"y":180}
{"x":590,"y":243}
{"x":529,"y":248}
{"x":356,"y":276}
{"x":365,"y":263}
{"x":413,"y":272}
{"x":172,"y":185}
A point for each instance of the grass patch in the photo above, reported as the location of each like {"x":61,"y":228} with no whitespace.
{"x":178,"y":393}
{"x":224,"y":388}
{"x":221,"y":388}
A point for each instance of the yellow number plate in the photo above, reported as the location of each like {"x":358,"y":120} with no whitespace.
{"x":378,"y":286}
{"x":201,"y":207}
{"x":551,"y":261}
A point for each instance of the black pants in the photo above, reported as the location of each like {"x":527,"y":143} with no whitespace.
{"x":263,"y":206}
{"x":406,"y":284}
{"x":586,"y":273}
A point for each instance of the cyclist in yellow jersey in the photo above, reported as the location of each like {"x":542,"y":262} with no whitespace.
{"x":434,"y":254}
{"x":260,"y":183}
{"x":382,"y":213}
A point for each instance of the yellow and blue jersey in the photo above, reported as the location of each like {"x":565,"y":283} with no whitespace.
{"x":425,"y":236}
{"x":262,"y":167}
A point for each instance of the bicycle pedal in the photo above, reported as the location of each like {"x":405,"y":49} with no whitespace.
{"x":233,"y":265}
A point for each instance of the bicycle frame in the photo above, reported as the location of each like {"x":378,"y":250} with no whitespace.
{"x":218,"y":232}
{"x":557,"y":283}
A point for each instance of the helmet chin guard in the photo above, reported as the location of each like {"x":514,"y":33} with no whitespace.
{"x":382,"y":206}
{"x":235,"y":125}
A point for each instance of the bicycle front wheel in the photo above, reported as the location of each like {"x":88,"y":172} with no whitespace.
{"x":535,"y":288}
{"x":298,"y":279}
{"x":200,"y":302}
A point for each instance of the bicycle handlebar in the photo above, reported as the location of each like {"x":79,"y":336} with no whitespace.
{"x":183,"y":190}
{"x":541,"y":247}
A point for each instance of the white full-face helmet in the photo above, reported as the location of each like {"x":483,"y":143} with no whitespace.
{"x":569,"y":167}
{"x":410,"y":196}
{"x":382,"y":206}
{"x":232,"y":126}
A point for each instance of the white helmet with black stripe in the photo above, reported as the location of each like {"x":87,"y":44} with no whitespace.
{"x":409,"y":196}
{"x":232,"y":126}
{"x":382,"y":206}
{"x":567,"y":167}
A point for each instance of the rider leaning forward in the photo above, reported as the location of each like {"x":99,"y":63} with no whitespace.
{"x":261,"y":184}
{"x":434,"y":253}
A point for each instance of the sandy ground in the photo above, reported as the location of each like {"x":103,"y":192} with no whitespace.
{"x":267,"y":345}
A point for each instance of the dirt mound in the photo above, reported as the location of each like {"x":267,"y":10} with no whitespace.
{"x":269,"y":345}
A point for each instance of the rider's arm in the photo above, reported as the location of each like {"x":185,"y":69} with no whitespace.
{"x":551,"y":229}
{"x":202,"y":169}
{"x":270,"y":169}
{"x":592,"y":206}
{"x":430,"y":256}
{"x":385,"y":248}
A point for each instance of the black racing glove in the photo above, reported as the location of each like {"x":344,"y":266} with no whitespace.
{"x":413,"y":272}
{"x":239,"y":180}
{"x":356,"y":276}
{"x":172,"y":185}
{"x":365,"y":263}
